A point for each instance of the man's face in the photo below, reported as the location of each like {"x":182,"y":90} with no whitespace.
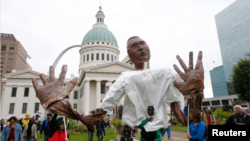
{"x":37,"y":117}
{"x":49,"y":117}
{"x":150,"y":111}
{"x":62,"y":126}
{"x":12,"y":122}
{"x":207,"y":111}
{"x":238,"y":110}
{"x":138,"y":50}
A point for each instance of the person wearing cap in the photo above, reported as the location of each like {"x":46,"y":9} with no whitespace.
{"x":37,"y":121}
{"x":60,"y":134}
{"x":239,"y":118}
{"x":207,"y":117}
{"x":45,"y":127}
{"x":30,"y":131}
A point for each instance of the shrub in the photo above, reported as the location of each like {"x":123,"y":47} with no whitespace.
{"x":117,"y":122}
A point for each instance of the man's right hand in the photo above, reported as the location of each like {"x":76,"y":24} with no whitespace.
{"x":41,"y":135}
{"x":149,"y":119}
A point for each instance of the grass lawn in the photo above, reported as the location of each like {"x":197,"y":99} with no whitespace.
{"x":84,"y":137}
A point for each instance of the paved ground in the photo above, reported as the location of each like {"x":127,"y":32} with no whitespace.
{"x":176,"y":136}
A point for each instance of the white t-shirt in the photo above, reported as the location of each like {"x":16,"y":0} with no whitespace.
{"x":142,"y":89}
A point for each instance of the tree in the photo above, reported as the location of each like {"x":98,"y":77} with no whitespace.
{"x":241,"y":79}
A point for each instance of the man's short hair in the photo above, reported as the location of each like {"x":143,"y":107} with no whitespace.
{"x":238,"y":106}
{"x":133,"y":37}
{"x":13,"y":117}
{"x":151,"y":107}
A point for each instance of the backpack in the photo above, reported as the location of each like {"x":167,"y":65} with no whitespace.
{"x":148,"y":135}
{"x":205,"y":136}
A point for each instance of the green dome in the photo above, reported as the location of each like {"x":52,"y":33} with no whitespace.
{"x":100,"y":11}
{"x":99,"y":33}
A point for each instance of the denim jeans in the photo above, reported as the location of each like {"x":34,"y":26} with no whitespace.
{"x":129,"y":139}
{"x":101,"y":137}
{"x":145,"y":140}
{"x":90,"y":136}
{"x":46,"y":137}
{"x":29,"y":139}
{"x":168,"y":130}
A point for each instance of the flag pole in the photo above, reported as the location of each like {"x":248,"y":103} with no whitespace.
{"x":65,"y":127}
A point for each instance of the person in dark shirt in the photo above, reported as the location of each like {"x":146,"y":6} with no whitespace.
{"x":100,"y":127}
{"x":45,"y":127}
{"x":239,"y":118}
{"x":91,"y":131}
{"x":52,"y":126}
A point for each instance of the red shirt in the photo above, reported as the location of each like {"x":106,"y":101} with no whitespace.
{"x":208,"y":119}
{"x":12,"y":134}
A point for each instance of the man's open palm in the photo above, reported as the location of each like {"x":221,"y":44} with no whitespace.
{"x":53,"y":90}
{"x":193,"y":78}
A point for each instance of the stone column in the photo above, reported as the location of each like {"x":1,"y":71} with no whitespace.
{"x":86,"y":97}
{"x":98,"y":93}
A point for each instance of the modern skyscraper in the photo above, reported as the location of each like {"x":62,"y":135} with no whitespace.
{"x":13,"y":56}
{"x":233,"y":28}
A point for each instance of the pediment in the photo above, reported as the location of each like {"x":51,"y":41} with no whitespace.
{"x":112,"y":67}
{"x":23,"y":74}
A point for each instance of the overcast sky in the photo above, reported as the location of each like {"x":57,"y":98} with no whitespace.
{"x":170,"y":27}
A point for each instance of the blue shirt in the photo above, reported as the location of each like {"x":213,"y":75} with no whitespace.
{"x":17,"y":133}
{"x":196,"y":131}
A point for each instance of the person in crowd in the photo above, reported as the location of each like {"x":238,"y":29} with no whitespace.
{"x":100,"y":127}
{"x":25,"y":122}
{"x":45,"y":127}
{"x":52,"y":126}
{"x":128,"y":132}
{"x":246,"y":111}
{"x":91,"y":131}
{"x":168,"y":130}
{"x":150,"y":136}
{"x":239,"y":118}
{"x":207,"y":117}
{"x":12,"y":132}
{"x":2,"y":125}
{"x":30,"y":131}
{"x":108,"y":122}
{"x":196,"y":126}
{"x":37,"y":121}
{"x":59,"y":134}
{"x":21,"y":123}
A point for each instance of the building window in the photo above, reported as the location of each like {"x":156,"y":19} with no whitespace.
{"x":75,"y":106}
{"x":102,"y":42}
{"x":24,"y":110}
{"x":83,"y":58}
{"x":97,"y":19}
{"x":11,"y":54}
{"x":206,"y":103}
{"x":8,"y":67}
{"x":2,"y":62}
{"x":8,"y":71}
{"x":1,"y":71}
{"x":75,"y":94}
{"x":92,"y":56}
{"x":102,"y":56}
{"x":102,"y":88}
{"x":92,"y":42}
{"x":9,"y":63}
{"x":10,"y":58}
{"x":97,"y":56}
{"x":36,"y":107}
{"x":2,"y":58}
{"x":3,"y":47}
{"x":26,"y":92}
{"x":217,"y":102}
{"x":225,"y":102}
{"x":115,"y":57}
{"x":88,"y":57}
{"x":107,"y":43}
{"x":12,"y":47}
{"x":2,"y":53}
{"x":12,"y":106}
{"x":107,"y":57}
{"x":112,"y":58}
{"x":97,"y":42}
{"x":1,"y":66}
{"x":13,"y":93}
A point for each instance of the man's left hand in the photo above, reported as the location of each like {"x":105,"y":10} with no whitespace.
{"x":193,"y":78}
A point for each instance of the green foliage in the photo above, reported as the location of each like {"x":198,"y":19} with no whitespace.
{"x":117,"y":122}
{"x":240,"y":79}
{"x":219,"y":114}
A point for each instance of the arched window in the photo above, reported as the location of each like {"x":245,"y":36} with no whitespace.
{"x":102,"y":56}
{"x":112,"y":58}
{"x":92,"y":56}
{"x":97,"y":42}
{"x":100,"y":19}
{"x":92,"y":42}
{"x":88,"y":57}
{"x":115,"y":57}
{"x":97,"y":19}
{"x":107,"y":57}
{"x":97,"y":56}
{"x":83,"y":58}
{"x":102,"y":42}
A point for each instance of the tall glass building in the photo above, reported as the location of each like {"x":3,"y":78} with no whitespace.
{"x":233,"y":28}
{"x":219,"y":82}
